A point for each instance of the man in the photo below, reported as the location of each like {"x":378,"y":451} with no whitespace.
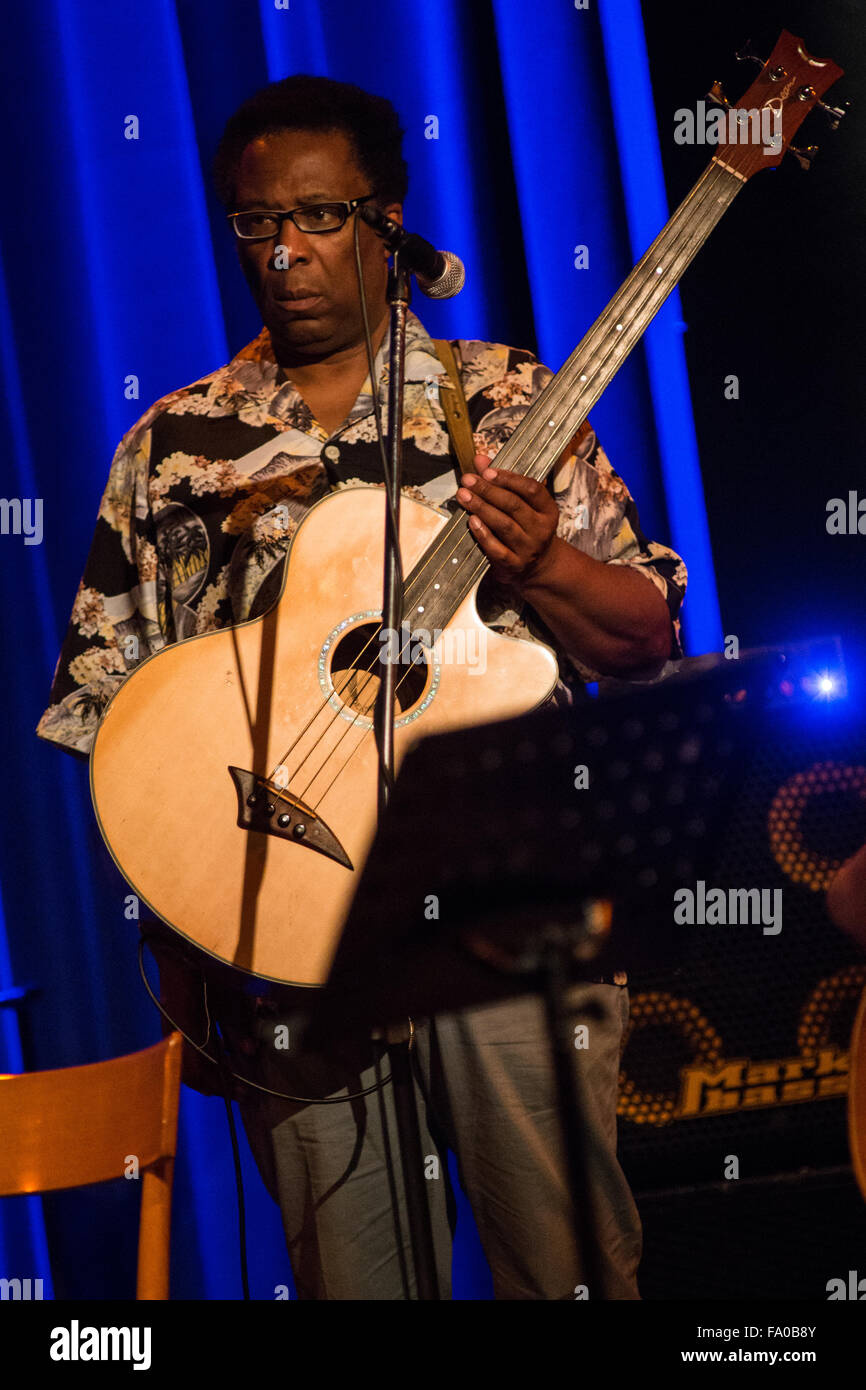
{"x":846,"y":896}
{"x":192,"y":536}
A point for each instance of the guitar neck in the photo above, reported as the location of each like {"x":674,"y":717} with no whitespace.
{"x":547,"y":428}
{"x":447,"y":572}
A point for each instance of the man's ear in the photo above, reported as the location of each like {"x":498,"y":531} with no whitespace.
{"x":395,"y":212}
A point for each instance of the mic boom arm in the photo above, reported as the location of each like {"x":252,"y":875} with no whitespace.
{"x":440,"y":274}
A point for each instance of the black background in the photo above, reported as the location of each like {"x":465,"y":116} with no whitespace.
{"x":776,"y":297}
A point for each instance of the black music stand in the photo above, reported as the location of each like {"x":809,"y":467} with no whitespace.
{"x":523,"y":911}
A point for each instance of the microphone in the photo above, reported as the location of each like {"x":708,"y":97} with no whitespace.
{"x":440,"y":274}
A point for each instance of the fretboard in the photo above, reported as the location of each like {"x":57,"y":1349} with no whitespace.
{"x":453,"y":563}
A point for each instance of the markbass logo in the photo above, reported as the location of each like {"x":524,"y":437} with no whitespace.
{"x":711,"y":1083}
{"x":740,"y":1084}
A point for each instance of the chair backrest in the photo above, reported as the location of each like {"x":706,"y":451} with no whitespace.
{"x":89,"y":1124}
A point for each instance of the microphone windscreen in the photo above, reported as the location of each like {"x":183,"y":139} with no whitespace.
{"x":449,"y":283}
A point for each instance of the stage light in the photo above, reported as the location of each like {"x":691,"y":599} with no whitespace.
{"x":823,"y":685}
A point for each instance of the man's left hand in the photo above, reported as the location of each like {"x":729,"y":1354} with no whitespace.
{"x":512,"y":518}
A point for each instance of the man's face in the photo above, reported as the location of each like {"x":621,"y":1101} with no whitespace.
{"x":312,"y":305}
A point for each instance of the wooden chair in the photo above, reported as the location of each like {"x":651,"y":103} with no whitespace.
{"x":81,"y":1125}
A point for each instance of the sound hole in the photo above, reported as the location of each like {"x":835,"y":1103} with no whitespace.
{"x":357,"y":662}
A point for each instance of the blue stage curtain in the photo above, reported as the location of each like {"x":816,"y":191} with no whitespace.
{"x":119,"y":283}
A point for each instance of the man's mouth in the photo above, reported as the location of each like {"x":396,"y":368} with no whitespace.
{"x":298,"y":299}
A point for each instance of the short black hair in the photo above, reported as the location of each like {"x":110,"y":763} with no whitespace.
{"x":303,"y":102}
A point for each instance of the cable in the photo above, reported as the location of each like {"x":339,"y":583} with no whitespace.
{"x":201,"y":1048}
{"x":391,"y":1177}
{"x":374,"y":392}
{"x":239,"y":1179}
{"x":221,"y":1062}
{"x":383,"y":457}
{"x":634,"y":298}
{"x":227,"y":1070}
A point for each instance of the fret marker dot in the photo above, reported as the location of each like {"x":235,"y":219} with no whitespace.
{"x":454,"y":561}
{"x":551,"y":423}
{"x":435,"y":586}
{"x":619,"y":328}
{"x":583,"y":378}
{"x":420,"y":608}
{"x":659,"y":269}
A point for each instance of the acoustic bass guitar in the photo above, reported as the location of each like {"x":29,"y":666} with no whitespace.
{"x":234,"y":774}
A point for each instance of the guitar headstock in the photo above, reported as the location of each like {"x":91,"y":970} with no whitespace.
{"x":791,"y":82}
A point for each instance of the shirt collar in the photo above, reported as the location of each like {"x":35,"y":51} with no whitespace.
{"x":256,"y":372}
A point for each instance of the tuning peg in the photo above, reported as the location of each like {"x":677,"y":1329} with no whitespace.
{"x":716,"y":95}
{"x":804,"y":157}
{"x":835,"y":114}
{"x":747,"y":55}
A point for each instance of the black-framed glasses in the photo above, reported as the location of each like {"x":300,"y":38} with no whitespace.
{"x":262,"y":224}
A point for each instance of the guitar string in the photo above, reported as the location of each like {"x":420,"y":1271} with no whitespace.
{"x":711,"y":178}
{"x":620,"y":307}
{"x":565,"y":384}
{"x":704,"y":186}
{"x":562,"y":387}
{"x":635,"y":306}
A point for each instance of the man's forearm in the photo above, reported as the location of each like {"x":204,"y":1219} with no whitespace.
{"x":608,"y":617}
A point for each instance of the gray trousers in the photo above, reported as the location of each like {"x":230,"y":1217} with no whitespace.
{"x":484,"y":1087}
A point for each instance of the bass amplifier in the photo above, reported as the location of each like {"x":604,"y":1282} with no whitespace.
{"x":734,"y":1079}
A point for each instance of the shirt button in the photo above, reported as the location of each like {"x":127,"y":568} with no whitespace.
{"x":332,"y":453}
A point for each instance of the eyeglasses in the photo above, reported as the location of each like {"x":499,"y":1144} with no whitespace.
{"x":315,"y":217}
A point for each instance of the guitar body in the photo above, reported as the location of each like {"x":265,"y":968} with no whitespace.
{"x":266,"y":902}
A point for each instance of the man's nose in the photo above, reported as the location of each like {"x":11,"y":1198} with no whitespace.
{"x":290,"y":246}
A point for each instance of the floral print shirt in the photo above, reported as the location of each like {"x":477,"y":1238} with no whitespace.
{"x":206,"y":491}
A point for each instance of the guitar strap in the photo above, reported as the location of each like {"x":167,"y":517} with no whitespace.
{"x":456,"y":410}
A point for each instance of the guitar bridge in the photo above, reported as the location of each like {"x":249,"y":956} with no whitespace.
{"x":275,"y":811}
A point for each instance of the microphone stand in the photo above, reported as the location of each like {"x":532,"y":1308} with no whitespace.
{"x":418,"y":1211}
{"x":398,"y":294}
